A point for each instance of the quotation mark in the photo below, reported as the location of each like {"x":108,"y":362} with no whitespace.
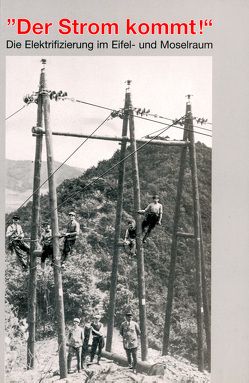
{"x":205,"y":23}
{"x":208,"y":23}
{"x":11,"y":21}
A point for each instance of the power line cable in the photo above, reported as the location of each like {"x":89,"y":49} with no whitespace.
{"x":172,"y":125}
{"x":115,"y":165}
{"x":149,"y":134}
{"x":111,"y":110}
{"x":170,"y":119}
{"x":135,"y":115}
{"x":78,"y":147}
{"x":17,"y":111}
{"x":91,"y":104}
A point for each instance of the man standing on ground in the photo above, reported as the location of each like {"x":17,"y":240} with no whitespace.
{"x":84,"y":352}
{"x":72,"y":233}
{"x":130,"y":330}
{"x":98,"y":338}
{"x":17,"y":245}
{"x":75,"y":342}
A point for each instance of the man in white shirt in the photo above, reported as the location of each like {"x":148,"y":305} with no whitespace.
{"x":16,"y":244}
{"x":152,"y":216}
{"x":75,"y":342}
{"x":98,"y":342}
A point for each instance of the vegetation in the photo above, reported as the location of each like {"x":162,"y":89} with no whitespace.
{"x":87,"y":276}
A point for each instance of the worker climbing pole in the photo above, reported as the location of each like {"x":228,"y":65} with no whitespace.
{"x":139,"y":247}
{"x":115,"y":261}
{"x":127,"y":114}
{"x":128,"y":117}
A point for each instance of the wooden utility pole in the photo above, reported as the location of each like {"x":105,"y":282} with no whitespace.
{"x":207,"y":323}
{"x":171,"y":282}
{"x":55,"y":233}
{"x":197,"y":233}
{"x":115,"y":261}
{"x":199,"y":255}
{"x":139,"y":247}
{"x":34,"y":233}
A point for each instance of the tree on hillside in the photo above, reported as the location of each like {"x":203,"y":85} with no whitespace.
{"x":87,"y":276}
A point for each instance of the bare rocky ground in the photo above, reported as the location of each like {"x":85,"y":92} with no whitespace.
{"x":177,"y":370}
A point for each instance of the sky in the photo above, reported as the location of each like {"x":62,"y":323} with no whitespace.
{"x":159,"y":83}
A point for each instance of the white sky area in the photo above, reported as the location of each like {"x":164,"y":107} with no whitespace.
{"x":158,"y":83}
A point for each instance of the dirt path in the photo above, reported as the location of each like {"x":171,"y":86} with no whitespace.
{"x":47,"y":370}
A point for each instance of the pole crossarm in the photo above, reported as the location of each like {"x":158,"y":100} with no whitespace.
{"x":187,"y":146}
{"x":38,"y":130}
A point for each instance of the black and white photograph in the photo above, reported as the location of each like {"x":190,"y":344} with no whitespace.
{"x":108,"y":219}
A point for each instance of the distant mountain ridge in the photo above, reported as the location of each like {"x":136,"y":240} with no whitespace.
{"x":19,"y":180}
{"x":19,"y":174}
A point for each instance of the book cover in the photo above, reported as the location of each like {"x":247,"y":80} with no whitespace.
{"x":123,"y":124}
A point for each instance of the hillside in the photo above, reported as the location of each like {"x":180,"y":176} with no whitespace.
{"x":87,"y":276}
{"x":19,"y":180}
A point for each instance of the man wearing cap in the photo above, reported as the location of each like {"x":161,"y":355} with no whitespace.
{"x":130,"y":330}
{"x":152,"y":216}
{"x":47,"y":245}
{"x":16,"y":244}
{"x":130,"y":236}
{"x":72,"y":233}
{"x":75,"y":342}
{"x":98,"y":338}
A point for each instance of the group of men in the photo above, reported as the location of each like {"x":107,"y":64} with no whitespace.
{"x":78,"y":341}
{"x":17,"y":244}
{"x":152,"y":217}
{"x":72,"y":233}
